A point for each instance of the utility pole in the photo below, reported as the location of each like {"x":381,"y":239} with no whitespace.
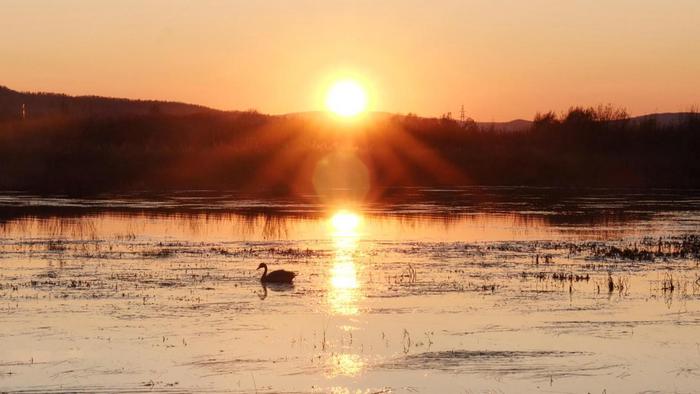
{"x":462,"y":117}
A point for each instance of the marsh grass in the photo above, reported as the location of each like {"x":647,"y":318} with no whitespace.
{"x":158,"y":253}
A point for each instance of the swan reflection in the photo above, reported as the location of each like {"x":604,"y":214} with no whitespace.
{"x":277,"y":287}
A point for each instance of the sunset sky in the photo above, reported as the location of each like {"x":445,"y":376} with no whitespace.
{"x":501,"y":59}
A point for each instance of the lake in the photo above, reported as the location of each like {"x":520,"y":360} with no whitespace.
{"x":458,"y":291}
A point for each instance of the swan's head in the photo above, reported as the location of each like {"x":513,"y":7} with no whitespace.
{"x":262,"y":265}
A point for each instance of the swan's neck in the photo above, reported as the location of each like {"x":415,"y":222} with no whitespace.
{"x":264,"y":273}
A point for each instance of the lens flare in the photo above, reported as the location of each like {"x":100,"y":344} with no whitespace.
{"x":340,"y":177}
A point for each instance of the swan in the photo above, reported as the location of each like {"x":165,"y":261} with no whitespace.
{"x":277,"y":276}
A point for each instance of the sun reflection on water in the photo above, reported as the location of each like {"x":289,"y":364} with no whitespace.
{"x":345,"y":224}
{"x":344,"y":274}
{"x":344,"y":287}
{"x":345,"y":364}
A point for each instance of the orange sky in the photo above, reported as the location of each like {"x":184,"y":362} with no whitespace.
{"x":501,"y":59}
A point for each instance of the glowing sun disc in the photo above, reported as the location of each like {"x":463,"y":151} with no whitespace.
{"x":346,"y":98}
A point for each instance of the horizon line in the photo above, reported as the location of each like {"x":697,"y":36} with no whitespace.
{"x":691,"y":108}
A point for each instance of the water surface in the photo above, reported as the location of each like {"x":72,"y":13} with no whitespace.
{"x":464,"y":290}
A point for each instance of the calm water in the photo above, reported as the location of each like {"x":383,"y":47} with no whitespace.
{"x":470,"y":290}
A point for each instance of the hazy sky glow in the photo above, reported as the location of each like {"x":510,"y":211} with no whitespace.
{"x":501,"y":59}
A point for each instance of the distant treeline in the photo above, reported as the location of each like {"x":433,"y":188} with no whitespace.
{"x":600,"y":147}
{"x":22,"y":105}
{"x":260,"y":153}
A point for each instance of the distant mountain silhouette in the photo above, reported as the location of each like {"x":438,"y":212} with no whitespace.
{"x":659,"y":119}
{"x":513,"y":125}
{"x":662,"y":119}
{"x":41,"y":105}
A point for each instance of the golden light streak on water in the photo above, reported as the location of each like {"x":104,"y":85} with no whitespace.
{"x":345,"y":364}
{"x":344,"y":289}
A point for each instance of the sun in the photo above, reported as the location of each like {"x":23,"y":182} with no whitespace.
{"x":346,"y":98}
